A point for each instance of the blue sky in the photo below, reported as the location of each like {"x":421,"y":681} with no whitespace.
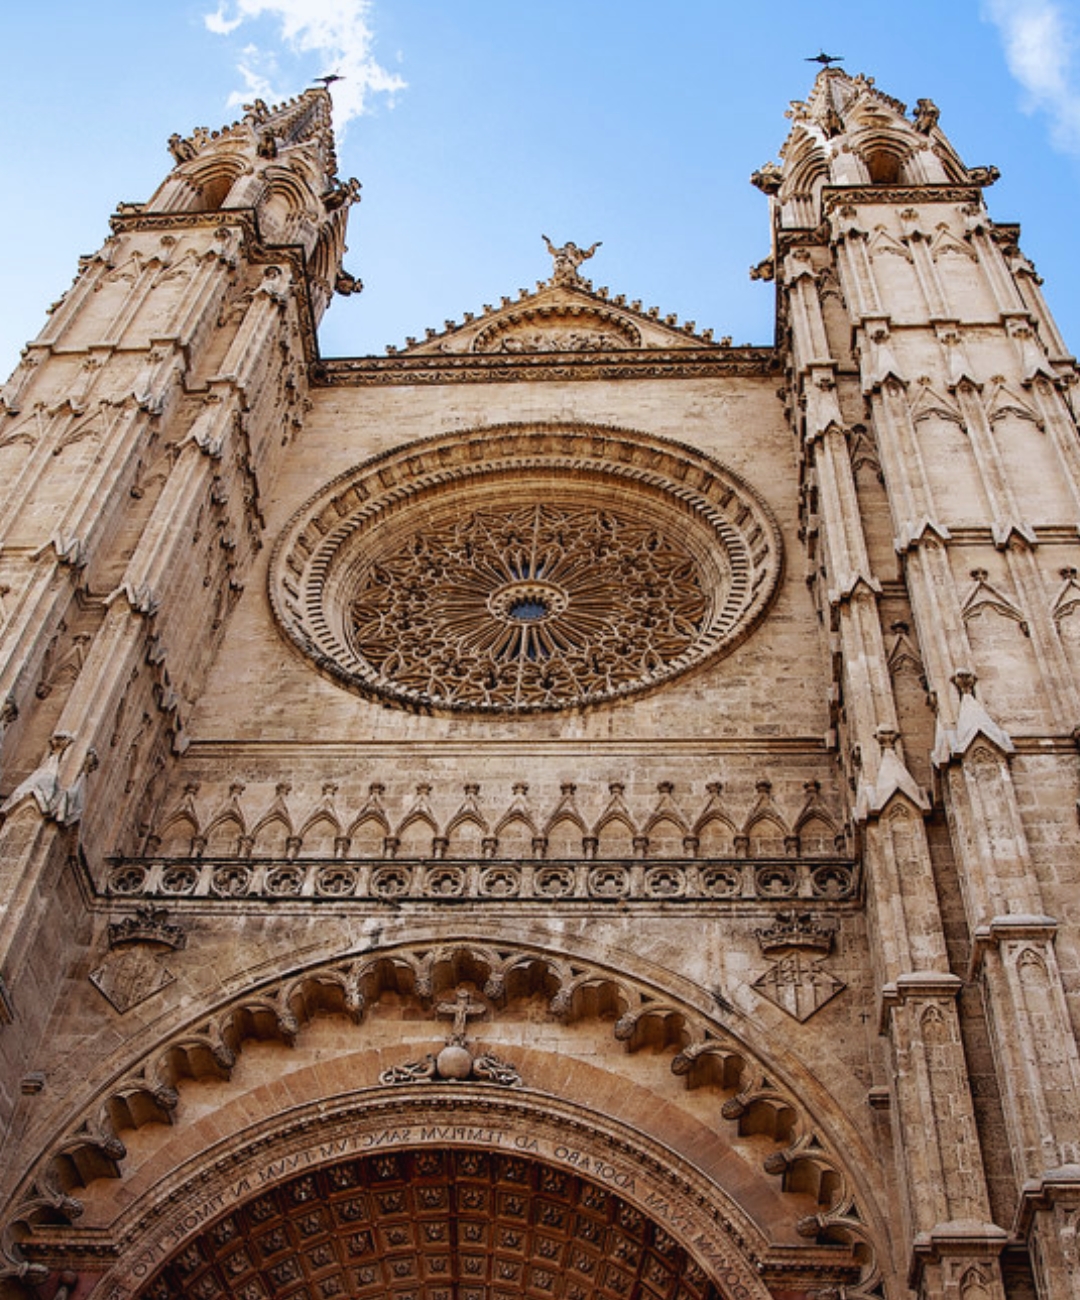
{"x":476,"y":126}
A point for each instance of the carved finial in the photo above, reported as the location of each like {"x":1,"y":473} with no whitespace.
{"x":567,"y":258}
{"x":964,"y":680}
{"x":182,"y":150}
{"x":887,"y":737}
{"x":926,"y":115}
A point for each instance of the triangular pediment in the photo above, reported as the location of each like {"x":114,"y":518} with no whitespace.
{"x":563,"y":314}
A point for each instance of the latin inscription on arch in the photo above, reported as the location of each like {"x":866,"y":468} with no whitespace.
{"x":645,"y":1181}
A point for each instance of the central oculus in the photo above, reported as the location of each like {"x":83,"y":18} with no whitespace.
{"x":527,"y":601}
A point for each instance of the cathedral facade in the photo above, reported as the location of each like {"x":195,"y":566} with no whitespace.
{"x":568,"y":810}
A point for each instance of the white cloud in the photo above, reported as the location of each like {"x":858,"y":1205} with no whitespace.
{"x":258,"y":69}
{"x":219,"y":24}
{"x":1041,"y":49}
{"x":337,"y":31}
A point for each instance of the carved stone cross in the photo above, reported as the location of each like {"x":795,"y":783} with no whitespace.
{"x":462,"y":1009}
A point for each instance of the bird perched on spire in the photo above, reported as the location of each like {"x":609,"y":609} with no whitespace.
{"x":328,"y":81}
{"x":826,"y":60}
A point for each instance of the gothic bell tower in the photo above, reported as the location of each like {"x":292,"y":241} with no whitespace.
{"x":140,"y":433}
{"x":930,"y":393}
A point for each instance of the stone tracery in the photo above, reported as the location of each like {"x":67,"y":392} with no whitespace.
{"x":536,"y":605}
{"x":525,"y":568}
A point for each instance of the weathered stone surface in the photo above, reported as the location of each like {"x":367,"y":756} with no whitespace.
{"x":571,"y":808}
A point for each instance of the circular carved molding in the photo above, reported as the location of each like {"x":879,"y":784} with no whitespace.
{"x":559,"y":328}
{"x":524,"y":568}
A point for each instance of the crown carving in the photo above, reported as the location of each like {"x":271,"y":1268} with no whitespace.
{"x":148,"y":925}
{"x":800,"y":930}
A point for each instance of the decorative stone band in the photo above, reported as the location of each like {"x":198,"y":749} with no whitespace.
{"x":527,"y":883}
{"x":532,"y":367}
{"x":524,"y":568}
{"x":833,"y":196}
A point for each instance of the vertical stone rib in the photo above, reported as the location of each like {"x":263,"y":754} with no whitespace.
{"x":911,"y":954}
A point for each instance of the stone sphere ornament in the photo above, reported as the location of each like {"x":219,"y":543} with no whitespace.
{"x":454,"y":1063}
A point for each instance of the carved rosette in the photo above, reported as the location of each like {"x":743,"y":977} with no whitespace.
{"x":525,"y":568}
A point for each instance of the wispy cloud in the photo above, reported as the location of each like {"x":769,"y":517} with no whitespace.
{"x":337,"y":31}
{"x":1041,"y":49}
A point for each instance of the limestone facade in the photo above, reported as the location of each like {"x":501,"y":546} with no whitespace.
{"x":570,"y":808}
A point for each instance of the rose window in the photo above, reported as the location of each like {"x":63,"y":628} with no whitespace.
{"x":524,"y":568}
{"x":532,"y":606}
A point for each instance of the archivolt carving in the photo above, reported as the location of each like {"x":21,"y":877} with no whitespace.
{"x":407,"y":1222}
{"x":525,"y":568}
{"x":706,"y":1055}
{"x":559,"y":329}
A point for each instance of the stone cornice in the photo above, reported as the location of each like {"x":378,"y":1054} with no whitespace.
{"x":448,"y":368}
{"x":806,"y":237}
{"x":833,"y":196}
{"x":1055,"y":1186}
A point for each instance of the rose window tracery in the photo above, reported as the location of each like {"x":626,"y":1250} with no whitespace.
{"x":524,"y":568}
{"x":527,"y":606}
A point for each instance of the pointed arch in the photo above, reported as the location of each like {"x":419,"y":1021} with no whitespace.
{"x":806,"y":165}
{"x":465,"y":835}
{"x":886,"y":153}
{"x":367,"y":835}
{"x":766,"y":835}
{"x":416,"y":835}
{"x":666,"y":835}
{"x":177,"y":835}
{"x":715,"y":834}
{"x":272,"y":834}
{"x":933,"y":1026}
{"x":223,"y":835}
{"x":565,"y":835}
{"x":615,"y":834}
{"x":212,"y":177}
{"x":516,"y":834}
{"x":319,"y":834}
{"x":1031,"y":967}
